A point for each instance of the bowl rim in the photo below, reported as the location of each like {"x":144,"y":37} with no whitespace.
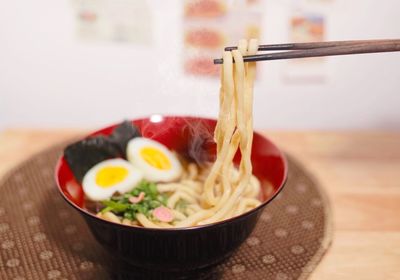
{"x":199,"y":227}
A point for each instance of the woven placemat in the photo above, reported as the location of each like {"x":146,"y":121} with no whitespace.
{"x":41,"y":237}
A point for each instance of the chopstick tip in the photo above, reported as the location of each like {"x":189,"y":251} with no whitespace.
{"x":218,"y":61}
{"x":228,"y":49}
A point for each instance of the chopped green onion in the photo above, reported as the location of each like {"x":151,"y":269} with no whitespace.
{"x":115,"y":206}
{"x":163,"y":198}
{"x":105,"y":210}
{"x":154,"y":203}
{"x":121,"y":205}
{"x":129,"y":215}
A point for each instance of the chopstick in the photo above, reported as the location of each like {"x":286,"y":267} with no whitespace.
{"x":315,"y":45}
{"x":318,"y":49}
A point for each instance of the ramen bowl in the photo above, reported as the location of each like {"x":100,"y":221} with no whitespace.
{"x":188,"y":248}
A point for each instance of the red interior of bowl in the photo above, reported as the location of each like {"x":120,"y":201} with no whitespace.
{"x":192,"y":137}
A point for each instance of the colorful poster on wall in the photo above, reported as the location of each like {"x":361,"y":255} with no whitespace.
{"x":210,"y":25}
{"x":306,"y":27}
{"x":113,"y":20}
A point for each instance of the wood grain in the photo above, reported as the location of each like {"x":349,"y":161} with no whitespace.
{"x":359,"y":170}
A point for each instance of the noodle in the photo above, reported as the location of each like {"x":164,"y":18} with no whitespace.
{"x":229,"y":192}
{"x":146,"y":222}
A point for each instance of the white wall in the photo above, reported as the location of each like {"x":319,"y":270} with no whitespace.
{"x":48,"y":78}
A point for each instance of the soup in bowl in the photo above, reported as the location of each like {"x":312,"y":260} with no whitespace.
{"x":153,"y":234}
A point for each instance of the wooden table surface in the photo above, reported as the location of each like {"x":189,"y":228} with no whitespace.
{"x":359,"y":170}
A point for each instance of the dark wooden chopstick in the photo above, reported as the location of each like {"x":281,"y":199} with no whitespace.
{"x":318,"y":49}
{"x":315,"y":45}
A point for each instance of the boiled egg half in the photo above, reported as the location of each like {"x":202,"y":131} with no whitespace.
{"x":156,"y":161}
{"x":110,"y":176}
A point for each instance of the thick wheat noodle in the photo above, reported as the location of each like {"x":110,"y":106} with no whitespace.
{"x":178,"y":215}
{"x":245,"y":203}
{"x":197,"y":186}
{"x":209,"y":185}
{"x":243,"y":182}
{"x":240,"y":207}
{"x":250,"y":70}
{"x":226,"y":184}
{"x":174,"y":187}
{"x":254,"y":187}
{"x":243,"y":121}
{"x":209,"y":194}
{"x":193,"y":171}
{"x":228,"y":205}
{"x":220,"y":114}
{"x":173,"y":199}
{"x":228,"y":201}
{"x":248,"y":93}
{"x":126,"y":222}
{"x":249,"y":83}
{"x":163,"y":225}
{"x":145,"y":222}
{"x":186,"y":190}
{"x":227,"y":189}
{"x":188,"y":197}
{"x":189,"y":212}
{"x":234,"y":174}
{"x":192,"y":220}
{"x":217,"y":131}
{"x":226,"y":101}
{"x":226,"y":125}
{"x":194,"y":207}
{"x":180,"y":187}
{"x":230,"y":213}
{"x":240,"y":90}
{"x":109,"y":216}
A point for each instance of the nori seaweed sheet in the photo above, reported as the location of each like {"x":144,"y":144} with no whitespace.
{"x":122,"y":134}
{"x":83,"y":155}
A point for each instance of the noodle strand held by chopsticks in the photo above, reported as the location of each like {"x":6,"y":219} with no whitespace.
{"x":243,"y":86}
{"x":225,"y":127}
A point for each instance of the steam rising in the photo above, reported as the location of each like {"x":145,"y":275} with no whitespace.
{"x":195,"y":135}
{"x":201,"y":142}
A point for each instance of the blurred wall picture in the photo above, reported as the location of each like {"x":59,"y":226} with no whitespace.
{"x":305,"y":26}
{"x":113,"y":20}
{"x":209,"y":25}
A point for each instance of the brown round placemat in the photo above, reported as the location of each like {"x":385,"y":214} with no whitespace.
{"x":41,"y":237}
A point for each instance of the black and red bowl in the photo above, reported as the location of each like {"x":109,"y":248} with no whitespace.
{"x":182,"y":248}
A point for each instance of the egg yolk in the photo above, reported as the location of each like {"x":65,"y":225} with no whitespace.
{"x":155,"y":158}
{"x":110,"y":175}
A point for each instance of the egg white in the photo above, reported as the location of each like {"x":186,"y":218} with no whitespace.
{"x":97,"y":193}
{"x":150,"y":172}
